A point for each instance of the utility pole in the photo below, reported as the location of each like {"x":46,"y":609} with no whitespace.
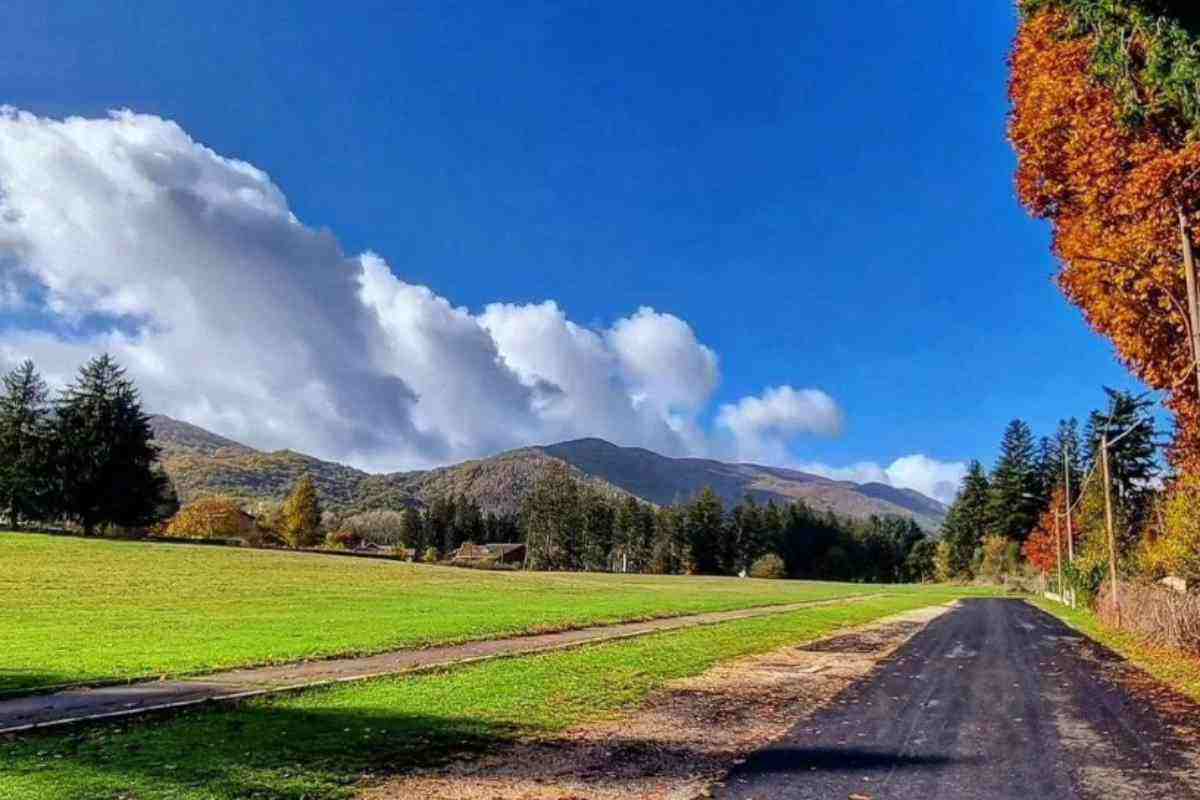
{"x":1067,"y":484}
{"x":1189,"y":269}
{"x":1058,"y":555}
{"x":1108,"y":521}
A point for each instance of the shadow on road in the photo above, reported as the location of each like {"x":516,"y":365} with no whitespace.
{"x":838,"y":759}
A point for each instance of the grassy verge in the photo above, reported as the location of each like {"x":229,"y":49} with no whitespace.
{"x":1178,"y":670}
{"x":323,"y":743}
{"x":88,"y":611}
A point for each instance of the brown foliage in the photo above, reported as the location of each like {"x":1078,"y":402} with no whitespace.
{"x":214,"y":517}
{"x":1156,"y":614}
{"x":1112,"y":193}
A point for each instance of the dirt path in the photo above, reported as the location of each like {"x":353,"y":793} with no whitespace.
{"x":994,"y":701}
{"x":683,"y":738}
{"x":84,"y":705}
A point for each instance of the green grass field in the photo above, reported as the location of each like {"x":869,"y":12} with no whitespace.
{"x":89,"y":611}
{"x":323,"y":743}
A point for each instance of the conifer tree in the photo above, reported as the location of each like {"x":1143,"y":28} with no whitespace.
{"x":1015,"y":499}
{"x":966,"y":523}
{"x":26,"y":480}
{"x":302,"y":515}
{"x":105,"y":456}
{"x":412,"y":530}
{"x":704,"y":524}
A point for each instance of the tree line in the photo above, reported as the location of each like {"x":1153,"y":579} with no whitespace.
{"x":1011,"y":512}
{"x":84,"y":455}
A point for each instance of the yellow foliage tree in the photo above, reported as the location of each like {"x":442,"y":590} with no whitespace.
{"x":213,"y":517}
{"x":1176,"y":551}
{"x":301,"y":515}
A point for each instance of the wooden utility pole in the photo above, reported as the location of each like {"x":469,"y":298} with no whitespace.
{"x":1067,"y":484}
{"x":1189,"y":269}
{"x":1108,"y":521}
{"x":1058,"y":556}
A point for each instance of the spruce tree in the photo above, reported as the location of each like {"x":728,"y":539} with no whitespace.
{"x":704,"y":523}
{"x":105,"y":455}
{"x":412,"y":530}
{"x":302,"y":515}
{"x":967,"y":521}
{"x":1015,"y":500}
{"x":1131,"y":460}
{"x":26,"y":479}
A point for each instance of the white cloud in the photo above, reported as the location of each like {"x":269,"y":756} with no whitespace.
{"x":937,"y":479}
{"x":124,"y":234}
{"x":761,"y":427}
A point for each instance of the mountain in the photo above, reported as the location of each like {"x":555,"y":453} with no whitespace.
{"x":201,"y":462}
{"x":664,"y":480}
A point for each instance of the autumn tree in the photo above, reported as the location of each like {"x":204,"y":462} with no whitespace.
{"x":301,"y":515}
{"x":213,"y":517}
{"x":1106,"y":125}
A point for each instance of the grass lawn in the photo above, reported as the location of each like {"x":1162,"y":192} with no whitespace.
{"x":323,"y":743}
{"x":1178,"y":670}
{"x":83,"y":611}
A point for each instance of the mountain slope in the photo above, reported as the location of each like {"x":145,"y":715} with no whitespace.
{"x":666,"y":480}
{"x":202,"y":463}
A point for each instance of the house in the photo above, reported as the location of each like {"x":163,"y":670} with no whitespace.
{"x":502,"y":553}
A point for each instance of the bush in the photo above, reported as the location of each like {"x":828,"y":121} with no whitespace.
{"x":431,"y":555}
{"x":343,"y":540}
{"x":768,"y":566}
{"x":1156,"y":614}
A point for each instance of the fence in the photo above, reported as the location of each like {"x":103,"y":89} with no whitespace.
{"x":1154,"y":613}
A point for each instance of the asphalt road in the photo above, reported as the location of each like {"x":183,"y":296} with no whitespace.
{"x":996,"y":700}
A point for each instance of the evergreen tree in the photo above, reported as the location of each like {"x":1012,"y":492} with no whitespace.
{"x":1015,"y":500}
{"x":440,"y":523}
{"x":412,"y":530}
{"x":627,"y":544}
{"x":966,"y":521}
{"x":704,"y":524}
{"x":26,"y":477}
{"x":599,"y":519}
{"x":1131,"y":460}
{"x":301,"y":515}
{"x":468,"y":521}
{"x":553,"y":518}
{"x":105,"y":455}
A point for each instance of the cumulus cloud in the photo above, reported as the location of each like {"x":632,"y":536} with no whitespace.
{"x":124,"y":234}
{"x":761,"y":426}
{"x":937,"y":479}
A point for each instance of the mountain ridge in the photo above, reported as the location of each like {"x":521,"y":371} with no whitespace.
{"x":201,"y":462}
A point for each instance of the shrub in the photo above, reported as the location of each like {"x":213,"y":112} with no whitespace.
{"x":768,"y":566}
{"x":1156,"y":614}
{"x":343,"y":540}
{"x":431,"y":555}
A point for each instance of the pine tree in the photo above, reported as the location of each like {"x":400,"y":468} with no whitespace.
{"x":412,"y":530}
{"x":26,"y":478}
{"x":553,"y":519}
{"x":1131,"y":460}
{"x":302,"y":515}
{"x":704,"y":523}
{"x":1015,"y":494}
{"x":966,"y":522}
{"x":599,"y":519}
{"x":105,"y":455}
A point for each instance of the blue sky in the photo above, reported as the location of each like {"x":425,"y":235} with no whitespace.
{"x":822,"y":190}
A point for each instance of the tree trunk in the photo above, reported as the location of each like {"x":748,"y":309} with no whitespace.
{"x":1189,"y":268}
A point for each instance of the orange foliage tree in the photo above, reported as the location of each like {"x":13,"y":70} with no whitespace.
{"x":1121,"y":195}
{"x":1047,"y":543}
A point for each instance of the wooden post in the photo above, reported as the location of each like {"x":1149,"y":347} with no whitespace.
{"x":1108,"y":521}
{"x":1058,"y":556}
{"x":1066,"y":479}
{"x":1189,"y":270}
